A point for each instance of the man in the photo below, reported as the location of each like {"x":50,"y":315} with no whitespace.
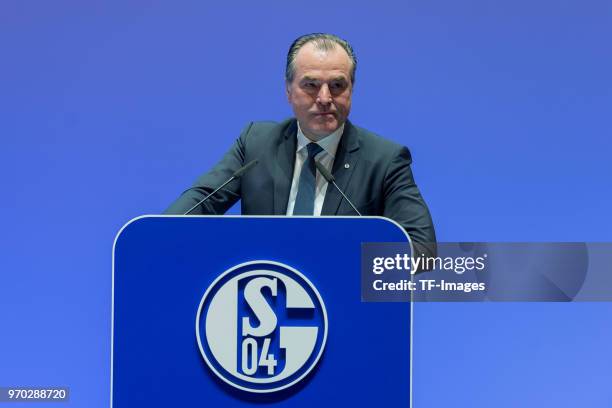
{"x":373,"y":172}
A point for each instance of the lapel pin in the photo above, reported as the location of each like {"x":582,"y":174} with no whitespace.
{"x":346,"y":165}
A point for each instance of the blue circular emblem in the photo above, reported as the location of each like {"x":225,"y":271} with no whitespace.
{"x":261,"y":326}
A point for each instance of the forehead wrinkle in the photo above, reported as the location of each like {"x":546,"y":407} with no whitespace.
{"x":320,"y":65}
{"x":322,"y":55}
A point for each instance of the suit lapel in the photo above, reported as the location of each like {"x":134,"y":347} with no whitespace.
{"x":347,"y":154}
{"x":285,"y":160}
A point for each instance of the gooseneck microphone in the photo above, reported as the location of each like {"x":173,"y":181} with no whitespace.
{"x":237,"y":174}
{"x":330,"y":179}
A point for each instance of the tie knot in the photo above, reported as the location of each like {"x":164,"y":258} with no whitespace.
{"x":313,"y":150}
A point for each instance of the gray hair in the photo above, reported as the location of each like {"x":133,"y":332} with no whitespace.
{"x":322,"y":42}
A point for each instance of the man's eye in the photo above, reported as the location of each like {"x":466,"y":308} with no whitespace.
{"x":309,"y":85}
{"x":337,"y":86}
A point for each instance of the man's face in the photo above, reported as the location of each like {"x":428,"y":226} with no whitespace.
{"x":320,"y":93}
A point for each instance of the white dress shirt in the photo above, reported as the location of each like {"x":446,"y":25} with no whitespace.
{"x":329,"y":144}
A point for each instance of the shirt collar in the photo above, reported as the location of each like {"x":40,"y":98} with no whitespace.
{"x":329,"y":143}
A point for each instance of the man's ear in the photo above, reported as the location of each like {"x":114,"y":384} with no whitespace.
{"x":288,"y":91}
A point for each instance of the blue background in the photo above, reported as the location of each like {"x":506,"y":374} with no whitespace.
{"x":109,"y":110}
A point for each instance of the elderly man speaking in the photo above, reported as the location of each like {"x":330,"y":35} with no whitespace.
{"x":374,"y":173}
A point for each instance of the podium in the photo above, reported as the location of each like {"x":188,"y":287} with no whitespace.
{"x":248,"y":311}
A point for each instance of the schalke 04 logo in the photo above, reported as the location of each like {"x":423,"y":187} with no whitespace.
{"x":261,"y":326}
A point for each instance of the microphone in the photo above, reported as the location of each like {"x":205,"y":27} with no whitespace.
{"x":237,"y":174}
{"x":330,"y":179}
{"x":245,"y":168}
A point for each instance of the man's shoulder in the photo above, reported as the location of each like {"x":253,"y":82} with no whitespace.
{"x":269,"y":128}
{"x":373,"y":142}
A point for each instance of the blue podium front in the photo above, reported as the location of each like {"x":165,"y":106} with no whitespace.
{"x":245,"y":311}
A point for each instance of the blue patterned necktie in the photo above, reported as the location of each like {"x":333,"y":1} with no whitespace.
{"x":304,"y":202}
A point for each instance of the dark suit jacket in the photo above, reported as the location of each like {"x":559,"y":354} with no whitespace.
{"x":373,"y":172}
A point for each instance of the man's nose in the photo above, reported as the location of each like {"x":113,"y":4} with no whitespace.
{"x":324,"y":96}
